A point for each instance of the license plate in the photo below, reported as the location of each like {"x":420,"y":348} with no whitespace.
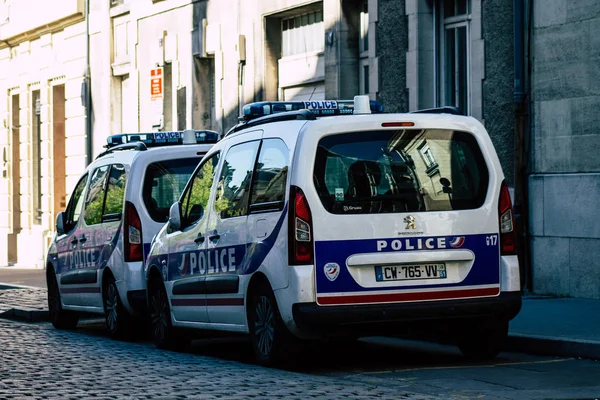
{"x":410,"y":272}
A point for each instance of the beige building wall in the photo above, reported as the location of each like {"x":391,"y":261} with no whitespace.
{"x":38,"y":52}
{"x":216,"y":57}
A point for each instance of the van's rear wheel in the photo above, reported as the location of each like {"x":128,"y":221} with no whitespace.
{"x":118,"y":320}
{"x":272,"y":342}
{"x":483,"y":342}
{"x":60,"y":318}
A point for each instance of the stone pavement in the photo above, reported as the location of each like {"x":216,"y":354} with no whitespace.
{"x":28,"y":304}
{"x":40,"y":362}
{"x":566,"y":327}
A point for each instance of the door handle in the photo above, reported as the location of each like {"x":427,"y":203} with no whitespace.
{"x":214,"y":237}
{"x":199,"y":239}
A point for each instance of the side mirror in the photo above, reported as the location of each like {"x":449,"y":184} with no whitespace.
{"x":175,"y":216}
{"x":60,"y":223}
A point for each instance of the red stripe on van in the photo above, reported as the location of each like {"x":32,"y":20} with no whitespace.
{"x":207,"y":302}
{"x":80,"y":290}
{"x":414,"y":296}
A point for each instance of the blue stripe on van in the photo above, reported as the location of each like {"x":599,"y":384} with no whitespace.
{"x":485,"y":269}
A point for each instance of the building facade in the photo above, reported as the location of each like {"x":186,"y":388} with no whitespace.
{"x":179,"y":64}
{"x":42,"y":114}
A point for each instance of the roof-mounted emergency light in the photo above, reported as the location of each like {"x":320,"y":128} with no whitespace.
{"x":360,"y":105}
{"x":154,"y":139}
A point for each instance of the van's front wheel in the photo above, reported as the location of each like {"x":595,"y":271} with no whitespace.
{"x":164,"y":334}
{"x":483,"y":342}
{"x":60,"y":318}
{"x":271,"y":340}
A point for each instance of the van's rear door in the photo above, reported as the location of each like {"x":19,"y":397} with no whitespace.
{"x":407,"y":215}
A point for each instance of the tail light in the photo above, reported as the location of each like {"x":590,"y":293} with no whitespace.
{"x":300,"y":231}
{"x":133,"y":246}
{"x":508,"y":237}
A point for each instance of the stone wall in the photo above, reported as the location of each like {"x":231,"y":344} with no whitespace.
{"x":565,"y":185}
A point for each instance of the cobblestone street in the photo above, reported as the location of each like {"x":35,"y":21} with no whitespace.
{"x":39,"y":362}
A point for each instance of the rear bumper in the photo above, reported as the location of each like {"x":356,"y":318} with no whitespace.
{"x":398,"y":318}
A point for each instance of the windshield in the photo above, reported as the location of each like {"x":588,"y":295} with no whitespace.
{"x":400,"y":171}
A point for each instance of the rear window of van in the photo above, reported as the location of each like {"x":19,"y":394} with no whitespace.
{"x":163,"y":184}
{"x":396,"y":171}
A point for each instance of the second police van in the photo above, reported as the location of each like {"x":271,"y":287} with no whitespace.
{"x":330,"y":219}
{"x":95,"y":263}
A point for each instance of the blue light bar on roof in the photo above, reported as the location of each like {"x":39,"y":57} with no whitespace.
{"x":154,"y":139}
{"x":319,"y":108}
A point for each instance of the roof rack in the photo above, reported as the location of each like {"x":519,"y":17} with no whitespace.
{"x":154,"y":139}
{"x":439,"y":110}
{"x":283,"y":116}
{"x":139,"y":146}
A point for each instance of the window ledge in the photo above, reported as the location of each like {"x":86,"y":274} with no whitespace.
{"x":432,"y":169}
{"x":121,"y":67}
{"x":300,"y":56}
{"x":119,"y":10}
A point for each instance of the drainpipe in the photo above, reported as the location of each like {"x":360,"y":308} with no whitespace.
{"x":88,"y":89}
{"x":521,"y":144}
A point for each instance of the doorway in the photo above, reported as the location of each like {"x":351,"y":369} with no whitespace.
{"x":15,"y":178}
{"x":36,"y":164}
{"x":59,"y":151}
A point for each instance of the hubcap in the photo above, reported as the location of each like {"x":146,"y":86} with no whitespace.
{"x":264,"y":325}
{"x":111,"y":307}
{"x":159,"y":315}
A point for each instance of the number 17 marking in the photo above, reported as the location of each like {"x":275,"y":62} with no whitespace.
{"x":491,"y":240}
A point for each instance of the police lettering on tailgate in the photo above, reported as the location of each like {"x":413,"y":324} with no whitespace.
{"x":432,"y":243}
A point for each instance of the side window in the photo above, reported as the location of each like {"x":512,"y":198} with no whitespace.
{"x":195,"y":198}
{"x":74,"y":208}
{"x":95,"y":197}
{"x":115,"y":193}
{"x":269,"y":181}
{"x":234,"y":182}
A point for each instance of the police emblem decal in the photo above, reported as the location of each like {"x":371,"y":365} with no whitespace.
{"x":332,"y":271}
{"x":410,"y":222}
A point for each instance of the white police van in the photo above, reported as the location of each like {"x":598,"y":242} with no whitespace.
{"x":95,"y":263}
{"x":305,"y":223}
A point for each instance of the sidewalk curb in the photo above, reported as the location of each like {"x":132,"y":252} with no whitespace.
{"x":551,"y":346}
{"x":26,"y":315}
{"x":8,"y":286}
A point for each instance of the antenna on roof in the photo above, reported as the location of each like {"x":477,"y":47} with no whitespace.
{"x":313,"y":92}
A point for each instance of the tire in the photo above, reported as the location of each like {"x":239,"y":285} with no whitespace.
{"x":164,"y":334}
{"x":118,"y":320}
{"x":273,"y":343}
{"x":483,"y":342}
{"x":60,"y":318}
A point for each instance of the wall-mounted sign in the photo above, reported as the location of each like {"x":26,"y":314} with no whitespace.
{"x":156,"y":97}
